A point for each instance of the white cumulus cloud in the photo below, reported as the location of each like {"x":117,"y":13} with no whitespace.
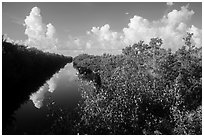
{"x":138,"y":29}
{"x":104,"y":38}
{"x":104,"y":33}
{"x":197,"y":35}
{"x":50,"y":31}
{"x":39,"y":35}
{"x":171,"y":28}
{"x":169,"y":3}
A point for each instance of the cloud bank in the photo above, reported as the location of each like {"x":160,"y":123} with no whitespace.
{"x":171,"y":28}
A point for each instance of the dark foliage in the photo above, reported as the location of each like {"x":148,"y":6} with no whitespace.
{"x":24,"y":70}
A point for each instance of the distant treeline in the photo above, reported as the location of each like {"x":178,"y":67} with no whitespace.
{"x":145,"y":90}
{"x":24,"y":70}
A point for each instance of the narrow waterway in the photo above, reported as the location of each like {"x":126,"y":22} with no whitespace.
{"x":57,"y":97}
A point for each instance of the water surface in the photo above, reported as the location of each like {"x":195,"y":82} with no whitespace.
{"x":50,"y":103}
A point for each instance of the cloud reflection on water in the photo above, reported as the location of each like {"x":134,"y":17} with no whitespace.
{"x":67,"y":73}
{"x":38,"y":97}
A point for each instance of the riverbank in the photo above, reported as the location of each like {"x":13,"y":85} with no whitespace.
{"x":24,"y":70}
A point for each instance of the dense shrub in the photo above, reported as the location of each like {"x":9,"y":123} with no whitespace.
{"x":145,"y":90}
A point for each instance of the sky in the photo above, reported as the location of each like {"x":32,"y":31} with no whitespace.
{"x":72,"y":28}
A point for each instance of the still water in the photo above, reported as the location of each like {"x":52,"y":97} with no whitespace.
{"x":57,"y":96}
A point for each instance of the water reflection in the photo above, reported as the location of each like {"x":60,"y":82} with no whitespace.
{"x":52,"y":102}
{"x":38,"y":97}
{"x":64,"y":81}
